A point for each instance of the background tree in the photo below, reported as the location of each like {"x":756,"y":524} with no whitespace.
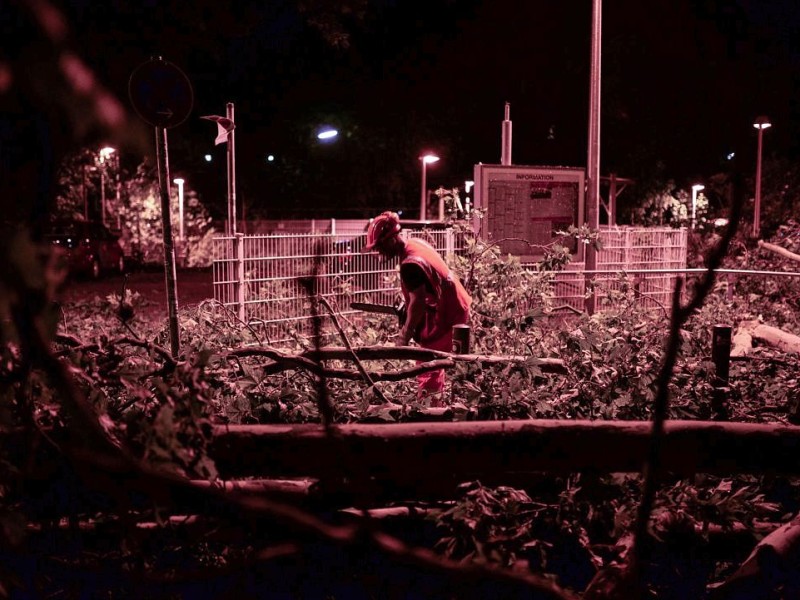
{"x":137,"y":211}
{"x":780,"y":194}
{"x":140,"y":217}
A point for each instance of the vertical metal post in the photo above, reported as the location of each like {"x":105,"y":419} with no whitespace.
{"x":169,"y":248}
{"x":505,"y":152}
{"x":238,"y":245}
{"x":231,"y":173}
{"x":721,"y":355}
{"x":757,"y":208}
{"x":102,"y":195}
{"x":449,"y":241}
{"x":118,"y":198}
{"x":423,"y":199}
{"x":85,"y":196}
{"x":612,"y":200}
{"x":593,"y":154}
{"x":461,"y":339}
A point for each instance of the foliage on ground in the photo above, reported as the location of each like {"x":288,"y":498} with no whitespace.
{"x":562,"y":527}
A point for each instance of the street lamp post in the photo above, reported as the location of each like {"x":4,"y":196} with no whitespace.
{"x":179,"y":181}
{"x":695,"y":188}
{"x":761,"y":124}
{"x":423,"y":200}
{"x":105,"y":154}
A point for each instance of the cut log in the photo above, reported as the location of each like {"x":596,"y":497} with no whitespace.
{"x":774,"y":562}
{"x":778,"y":250}
{"x":742,"y":342}
{"x":747,"y":331}
{"x":444,"y":454}
{"x":783,"y":340}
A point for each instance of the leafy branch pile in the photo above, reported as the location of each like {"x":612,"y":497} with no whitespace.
{"x":163,"y":411}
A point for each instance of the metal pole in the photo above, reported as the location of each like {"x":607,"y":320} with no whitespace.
{"x":238,"y":243}
{"x":180,"y":210}
{"x":118,"y":198}
{"x":721,"y":355}
{"x":757,"y":209}
{"x":423,"y":200}
{"x":85,"y":197}
{"x":102,"y":195}
{"x":231,"y":173}
{"x":505,"y":152}
{"x":169,"y":248}
{"x":593,"y":154}
{"x":612,"y":200}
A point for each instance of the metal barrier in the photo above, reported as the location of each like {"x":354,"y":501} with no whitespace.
{"x":651,"y":255}
{"x":264,"y":278}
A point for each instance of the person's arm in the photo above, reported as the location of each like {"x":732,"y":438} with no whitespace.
{"x":414,"y":315}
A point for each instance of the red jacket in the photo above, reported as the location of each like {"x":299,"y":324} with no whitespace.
{"x":449,"y":301}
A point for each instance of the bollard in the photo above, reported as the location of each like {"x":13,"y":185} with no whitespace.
{"x":461,"y":339}
{"x":721,"y":355}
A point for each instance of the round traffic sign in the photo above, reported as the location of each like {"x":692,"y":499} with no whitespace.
{"x":161,"y":93}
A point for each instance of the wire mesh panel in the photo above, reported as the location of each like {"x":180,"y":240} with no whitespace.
{"x":642,"y":249}
{"x":222,"y":267}
{"x":268,"y":280}
{"x":626,"y":249}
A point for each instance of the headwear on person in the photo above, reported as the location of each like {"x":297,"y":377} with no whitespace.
{"x":381,"y":228}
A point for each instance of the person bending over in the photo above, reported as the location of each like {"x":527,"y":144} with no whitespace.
{"x":435,"y":299}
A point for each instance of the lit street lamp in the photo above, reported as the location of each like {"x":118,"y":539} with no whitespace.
{"x":695,"y":188}
{"x":105,"y":154}
{"x":761,"y":124}
{"x":179,"y":182}
{"x":327,"y":133}
{"x":423,"y":200}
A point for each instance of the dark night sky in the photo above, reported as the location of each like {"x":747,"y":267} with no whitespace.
{"x":682,"y":82}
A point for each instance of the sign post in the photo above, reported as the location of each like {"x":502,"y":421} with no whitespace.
{"x":162,"y":96}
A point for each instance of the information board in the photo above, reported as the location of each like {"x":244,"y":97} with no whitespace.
{"x":525,"y":206}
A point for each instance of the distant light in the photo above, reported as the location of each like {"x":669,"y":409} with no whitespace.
{"x":730,"y":155}
{"x":105,"y":153}
{"x":270,"y":157}
{"x":468,"y":186}
{"x":178,"y":181}
{"x":207,"y":157}
{"x":429,"y":158}
{"x":698,"y":186}
{"x":720,"y":222}
{"x":762,"y":123}
{"x":327,"y":134}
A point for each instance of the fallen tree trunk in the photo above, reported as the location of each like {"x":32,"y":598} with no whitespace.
{"x":772,"y":336}
{"x":773,"y":564}
{"x":742,"y":342}
{"x":778,"y":250}
{"x":783,"y":340}
{"x":434,"y":359}
{"x":443,"y":454}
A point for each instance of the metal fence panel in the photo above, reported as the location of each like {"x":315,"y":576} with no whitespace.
{"x":628,"y":249}
{"x":264,"y":279}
